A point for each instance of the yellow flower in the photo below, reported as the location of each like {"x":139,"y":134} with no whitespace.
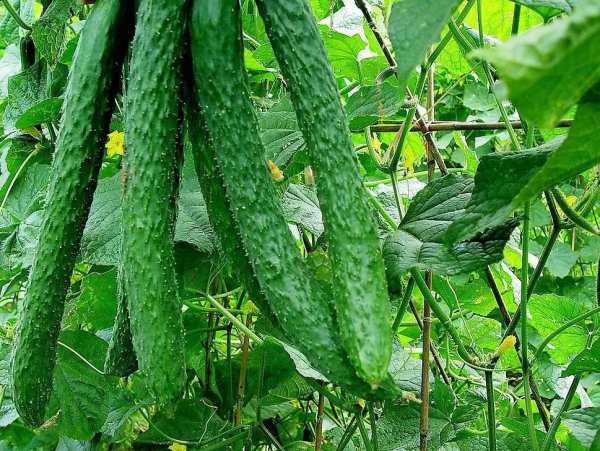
{"x":115,"y":144}
{"x":177,"y":447}
{"x":506,"y":344}
{"x":276,"y":173}
{"x":571,"y":200}
{"x":376,"y":143}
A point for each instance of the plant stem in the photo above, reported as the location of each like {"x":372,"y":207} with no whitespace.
{"x":570,"y":213}
{"x":524,"y":337}
{"x":403,"y":305}
{"x":236,"y":322}
{"x":414,"y":175}
{"x":363,"y":433}
{"x":373,"y":422}
{"x":392,"y":125}
{"x":491,"y":410}
{"x":15,"y":15}
{"x":441,"y":315}
{"x":564,"y":406}
{"x":319,"y":426}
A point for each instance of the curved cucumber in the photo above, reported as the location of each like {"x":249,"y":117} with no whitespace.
{"x":303,"y":312}
{"x":151,"y":159}
{"x":78,"y":155}
{"x":358,"y":269}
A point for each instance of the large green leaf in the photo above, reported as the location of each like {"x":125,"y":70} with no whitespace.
{"x":193,"y":420}
{"x":371,"y":103}
{"x":499,"y":180}
{"x":587,"y":361}
{"x":549,"y":68}
{"x":81,"y":391}
{"x":548,"y":313}
{"x":419,"y":241}
{"x":301,"y":207}
{"x":343,"y":51}
{"x":585,"y":425}
{"x":49,"y":32}
{"x":547,"y":8}
{"x":579,"y":152}
{"x":413,"y":27}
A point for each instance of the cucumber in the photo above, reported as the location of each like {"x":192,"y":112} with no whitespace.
{"x":218,"y":207}
{"x":91,"y":89}
{"x":120,"y":357}
{"x":152,"y":144}
{"x":362,"y":302}
{"x":302,"y":310}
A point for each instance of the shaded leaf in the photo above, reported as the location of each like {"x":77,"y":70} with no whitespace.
{"x":82,"y":393}
{"x":549,"y":68}
{"x":499,"y":180}
{"x":49,"y":32}
{"x":584,"y":424}
{"x":413,"y":27}
{"x":371,"y":103}
{"x":419,"y":241}
{"x":586,"y":361}
{"x":47,"y":110}
{"x":301,"y":207}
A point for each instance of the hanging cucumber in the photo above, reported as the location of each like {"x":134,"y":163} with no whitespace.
{"x":79,"y":149}
{"x":299,"y":303}
{"x":358,"y":270}
{"x":219,"y":209}
{"x":151,"y":159}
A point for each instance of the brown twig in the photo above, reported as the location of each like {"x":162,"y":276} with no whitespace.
{"x":436,"y":126}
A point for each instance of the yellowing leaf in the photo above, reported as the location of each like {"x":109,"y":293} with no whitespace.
{"x":177,"y":447}
{"x":571,"y":200}
{"x":276,"y":173}
{"x":413,"y":152}
{"x":115,"y":144}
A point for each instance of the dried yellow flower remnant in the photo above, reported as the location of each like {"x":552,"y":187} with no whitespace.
{"x":506,"y":344}
{"x":276,"y":173}
{"x":115,"y":144}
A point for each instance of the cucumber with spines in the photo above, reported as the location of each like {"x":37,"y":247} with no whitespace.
{"x":300,"y":305}
{"x":90,"y":92}
{"x":152,"y":142}
{"x":358,"y":269}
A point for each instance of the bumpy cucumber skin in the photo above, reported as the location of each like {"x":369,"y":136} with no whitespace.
{"x":219,"y":210}
{"x":87,"y":107}
{"x":152,"y":143}
{"x":361,"y":297}
{"x":120,"y":357}
{"x":221,"y":88}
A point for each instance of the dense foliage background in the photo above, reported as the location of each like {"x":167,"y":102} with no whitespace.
{"x":248,"y":390}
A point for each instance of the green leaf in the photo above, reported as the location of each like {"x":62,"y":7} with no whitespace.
{"x":587,"y":361}
{"x":47,"y":110}
{"x":413,"y":28}
{"x":9,"y":30}
{"x":101,"y":241}
{"x":561,"y":259}
{"x":193,"y":420}
{"x":398,"y":428}
{"x":405,"y":369}
{"x":82,"y":392}
{"x":579,"y":152}
{"x":547,"y":8}
{"x":548,"y":313}
{"x":419,"y":241}
{"x":10,"y":65}
{"x":584,"y":424}
{"x":25,"y":91}
{"x":371,"y":103}
{"x":280,"y":133}
{"x":549,"y":68}
{"x":499,"y":180}
{"x":301,"y":206}
{"x":343,"y":51}
{"x":96,"y":305}
{"x":49,"y":32}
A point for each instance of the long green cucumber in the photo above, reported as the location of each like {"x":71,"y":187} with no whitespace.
{"x":92,"y":84}
{"x":358,"y":269}
{"x":219,"y":209}
{"x":152,"y":147}
{"x":303,"y":314}
{"x":120,"y":357}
